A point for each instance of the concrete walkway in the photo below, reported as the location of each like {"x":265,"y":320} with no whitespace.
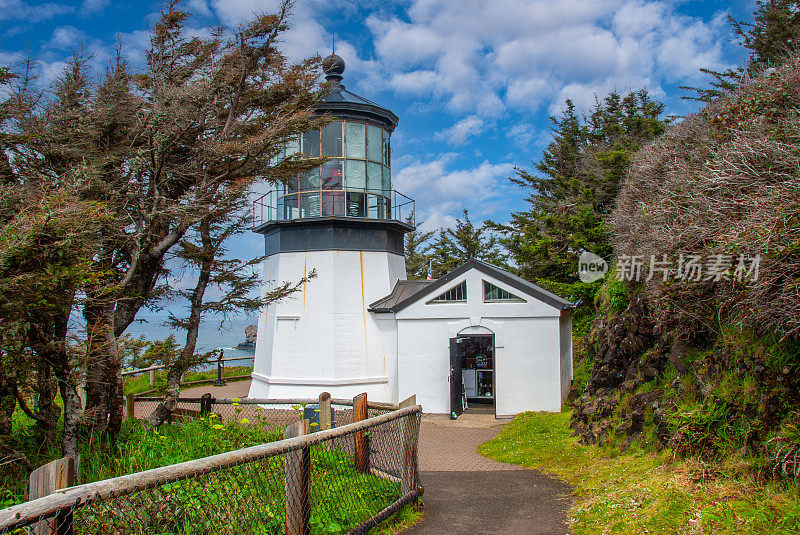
{"x":466,"y":493}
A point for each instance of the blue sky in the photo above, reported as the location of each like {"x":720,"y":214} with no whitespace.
{"x":473,"y":81}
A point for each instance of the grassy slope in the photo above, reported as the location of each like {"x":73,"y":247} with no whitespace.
{"x":637,"y":493}
{"x":141,"y":383}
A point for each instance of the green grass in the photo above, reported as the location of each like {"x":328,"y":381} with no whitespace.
{"x":399,"y":522}
{"x":141,"y":383}
{"x":341,"y":496}
{"x":641,"y":492}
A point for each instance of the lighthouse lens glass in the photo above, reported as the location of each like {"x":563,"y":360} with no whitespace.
{"x":374,"y":143}
{"x":356,"y":205}
{"x":332,"y":174}
{"x":332,"y":139}
{"x":356,"y":140}
{"x":387,"y":181}
{"x":311,"y":143}
{"x":309,"y":180}
{"x":374,"y":177}
{"x":356,"y":174}
{"x":386,"y":150}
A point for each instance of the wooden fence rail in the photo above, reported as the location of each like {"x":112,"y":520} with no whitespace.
{"x":295,"y":447}
{"x":380,"y":405}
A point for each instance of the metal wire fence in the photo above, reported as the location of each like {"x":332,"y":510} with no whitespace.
{"x":279,"y":413}
{"x":342,"y":480}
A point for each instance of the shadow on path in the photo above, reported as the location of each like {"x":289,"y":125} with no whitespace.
{"x":508,"y":502}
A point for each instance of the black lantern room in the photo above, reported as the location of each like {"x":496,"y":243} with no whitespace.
{"x":347,"y":203}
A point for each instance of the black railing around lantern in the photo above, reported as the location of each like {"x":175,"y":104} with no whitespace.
{"x":279,"y":205}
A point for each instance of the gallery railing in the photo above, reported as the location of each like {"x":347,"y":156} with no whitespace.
{"x":280,"y":205}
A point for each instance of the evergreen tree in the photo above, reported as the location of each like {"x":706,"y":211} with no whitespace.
{"x":772,"y":35}
{"x":417,"y":250}
{"x":465,"y":241}
{"x":573,"y":190}
{"x":441,"y":257}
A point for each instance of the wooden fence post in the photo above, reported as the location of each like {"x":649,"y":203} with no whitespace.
{"x":298,"y":483}
{"x":361,"y":443}
{"x":324,"y":411}
{"x":410,"y":479}
{"x":152,"y":378}
{"x":45,"y":480}
{"x":129,"y":405}
{"x":206,"y":402}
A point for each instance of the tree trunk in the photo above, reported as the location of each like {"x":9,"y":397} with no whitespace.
{"x":8,"y":403}
{"x":104,"y":410}
{"x":48,"y":411}
{"x":165,"y":408}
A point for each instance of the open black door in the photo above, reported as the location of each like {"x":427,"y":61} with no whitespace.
{"x":456,"y":382}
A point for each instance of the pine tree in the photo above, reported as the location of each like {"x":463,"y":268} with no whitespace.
{"x":773,"y":34}
{"x":465,"y":241}
{"x":417,"y":250}
{"x":573,"y":190}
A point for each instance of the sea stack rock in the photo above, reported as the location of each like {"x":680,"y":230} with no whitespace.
{"x":250,"y":333}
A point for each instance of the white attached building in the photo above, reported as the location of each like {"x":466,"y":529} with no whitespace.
{"x":478,"y":335}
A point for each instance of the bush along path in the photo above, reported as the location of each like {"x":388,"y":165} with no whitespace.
{"x":640,"y":492}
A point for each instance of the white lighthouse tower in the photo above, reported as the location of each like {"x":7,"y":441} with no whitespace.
{"x":344,"y":221}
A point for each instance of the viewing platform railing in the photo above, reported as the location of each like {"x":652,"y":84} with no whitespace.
{"x":368,"y":205}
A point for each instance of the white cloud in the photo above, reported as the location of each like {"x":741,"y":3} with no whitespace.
{"x":67,"y":38}
{"x":19,"y":10}
{"x":481,"y":58}
{"x":459,"y":132}
{"x":440,"y":190}
{"x":93,"y":7}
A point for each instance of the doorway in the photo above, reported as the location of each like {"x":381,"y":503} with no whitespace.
{"x":472,"y":374}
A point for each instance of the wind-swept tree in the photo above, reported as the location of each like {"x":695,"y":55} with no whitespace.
{"x":154,"y":154}
{"x":234,"y":280}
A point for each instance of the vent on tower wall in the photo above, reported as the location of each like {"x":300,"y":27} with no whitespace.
{"x":495,"y":293}
{"x":454,"y":294}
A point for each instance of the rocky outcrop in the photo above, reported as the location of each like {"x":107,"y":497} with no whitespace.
{"x":250,"y":332}
{"x":626,"y":355}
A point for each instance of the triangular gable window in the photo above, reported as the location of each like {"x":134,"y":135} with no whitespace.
{"x":456,"y":293}
{"x":495,"y":293}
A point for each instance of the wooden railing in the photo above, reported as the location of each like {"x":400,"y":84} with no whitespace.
{"x":98,"y":504}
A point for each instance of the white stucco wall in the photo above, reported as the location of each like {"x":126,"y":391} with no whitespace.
{"x":528,"y":354}
{"x":322,"y":338}
{"x":566,"y":353}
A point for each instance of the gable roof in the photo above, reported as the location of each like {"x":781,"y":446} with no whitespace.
{"x":402,"y":290}
{"x":406,"y":292}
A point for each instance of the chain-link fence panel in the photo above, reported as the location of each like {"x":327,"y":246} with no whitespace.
{"x":342,"y":480}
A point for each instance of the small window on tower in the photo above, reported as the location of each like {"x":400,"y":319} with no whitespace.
{"x":495,"y":293}
{"x":456,"y":293}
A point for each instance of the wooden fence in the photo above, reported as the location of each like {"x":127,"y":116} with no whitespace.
{"x":398,"y":427}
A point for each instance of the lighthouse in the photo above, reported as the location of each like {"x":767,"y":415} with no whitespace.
{"x":344,"y":222}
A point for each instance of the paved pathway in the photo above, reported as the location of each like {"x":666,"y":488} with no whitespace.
{"x":466,"y":493}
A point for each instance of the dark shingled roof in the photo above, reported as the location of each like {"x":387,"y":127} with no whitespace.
{"x":405,"y":293}
{"x":402,"y":290}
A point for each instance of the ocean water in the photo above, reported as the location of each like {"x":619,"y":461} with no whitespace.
{"x":212,"y":334}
